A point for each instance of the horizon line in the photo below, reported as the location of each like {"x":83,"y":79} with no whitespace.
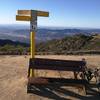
{"x":76,"y":27}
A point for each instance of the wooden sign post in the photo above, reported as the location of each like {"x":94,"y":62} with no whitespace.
{"x":31,"y":15}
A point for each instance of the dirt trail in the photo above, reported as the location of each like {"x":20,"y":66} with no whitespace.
{"x":13,"y":79}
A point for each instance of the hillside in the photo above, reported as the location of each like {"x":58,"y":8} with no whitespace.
{"x":75,"y":44}
{"x":93,"y":44}
{"x":10,"y":42}
{"x":13,"y":47}
{"x":70,"y":44}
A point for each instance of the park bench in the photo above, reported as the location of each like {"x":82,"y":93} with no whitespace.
{"x":57,"y":65}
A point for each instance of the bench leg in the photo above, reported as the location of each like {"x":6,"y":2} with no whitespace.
{"x":82,"y":89}
{"x":75,"y":75}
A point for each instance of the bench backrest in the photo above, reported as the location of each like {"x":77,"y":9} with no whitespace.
{"x":53,"y":64}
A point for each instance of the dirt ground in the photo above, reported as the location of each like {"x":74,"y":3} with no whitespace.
{"x":13,"y":80}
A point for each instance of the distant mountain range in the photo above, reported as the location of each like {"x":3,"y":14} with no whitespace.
{"x":22,"y":33}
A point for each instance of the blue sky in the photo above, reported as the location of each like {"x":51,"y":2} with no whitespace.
{"x":64,"y":13}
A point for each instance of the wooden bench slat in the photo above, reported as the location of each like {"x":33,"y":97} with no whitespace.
{"x":53,"y":64}
{"x":41,"y":67}
{"x":41,"y":80}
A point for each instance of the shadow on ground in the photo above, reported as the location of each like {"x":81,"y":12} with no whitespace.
{"x":52,"y":91}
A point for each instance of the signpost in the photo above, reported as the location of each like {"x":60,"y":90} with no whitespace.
{"x":31,"y":15}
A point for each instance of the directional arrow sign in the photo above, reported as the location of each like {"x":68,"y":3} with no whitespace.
{"x":28,"y":12}
{"x":23,"y":18}
{"x":24,"y":12}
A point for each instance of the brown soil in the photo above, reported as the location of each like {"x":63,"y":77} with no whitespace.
{"x":13,"y":80}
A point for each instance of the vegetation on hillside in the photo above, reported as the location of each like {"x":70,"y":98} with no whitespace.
{"x":72,"y":44}
{"x":76,"y":44}
{"x":12,"y":47}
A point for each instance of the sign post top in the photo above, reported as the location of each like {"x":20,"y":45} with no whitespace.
{"x":26,"y":15}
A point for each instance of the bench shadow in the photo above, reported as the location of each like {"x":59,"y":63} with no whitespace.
{"x":53,"y":91}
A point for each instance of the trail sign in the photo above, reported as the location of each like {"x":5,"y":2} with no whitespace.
{"x":28,"y":12}
{"x":31,"y":16}
{"x":26,"y":15}
{"x":23,"y":18}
